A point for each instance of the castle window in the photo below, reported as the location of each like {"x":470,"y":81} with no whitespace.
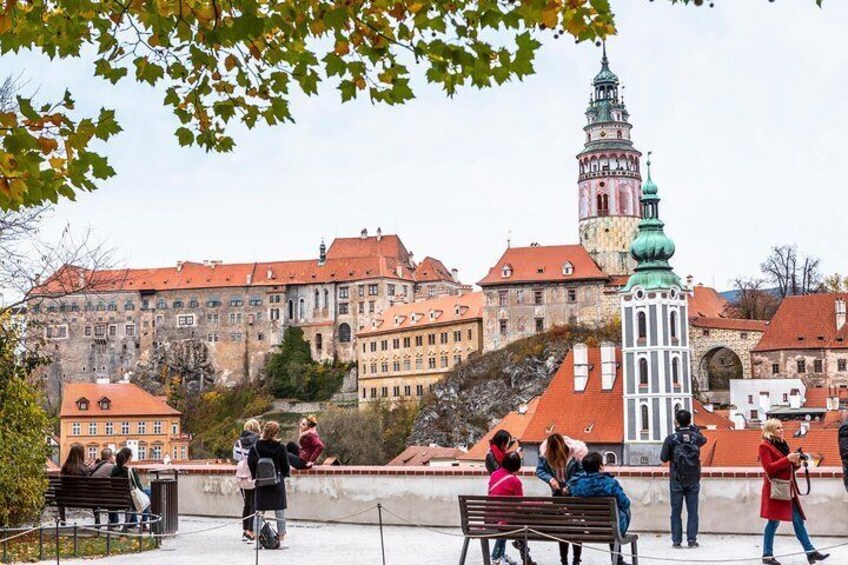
{"x":503,"y":297}
{"x":344,"y":333}
{"x":642,"y":325}
{"x":506,"y":271}
{"x":291,"y":309}
{"x":643,"y":372}
{"x":503,"y":327}
{"x":610,"y":458}
{"x":538,"y":297}
{"x":82,"y":404}
{"x":643,"y":424}
{"x":567,"y":268}
{"x":572,"y":294}
{"x":817,"y":366}
{"x":319,"y":343}
{"x":105,"y":403}
{"x":301,"y":308}
{"x":540,"y":325}
{"x":841,"y":364}
{"x":775,"y":367}
{"x":802,"y":366}
{"x":675,"y":372}
{"x":603,"y":204}
{"x":317,"y":299}
{"x":618,"y":134}
{"x":672,"y":323}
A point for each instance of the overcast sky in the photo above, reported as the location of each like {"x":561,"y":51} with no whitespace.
{"x":743,"y":105}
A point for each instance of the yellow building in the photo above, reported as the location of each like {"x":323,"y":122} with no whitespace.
{"x":410,"y":347}
{"x":120,"y":415}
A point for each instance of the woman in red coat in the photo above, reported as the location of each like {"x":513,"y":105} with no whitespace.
{"x":779,"y":463}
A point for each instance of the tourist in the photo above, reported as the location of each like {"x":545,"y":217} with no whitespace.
{"x":102,"y":469}
{"x":558,"y":463}
{"x":271,"y":497}
{"x":782,"y":505}
{"x":682,"y":451}
{"x":593,"y":482}
{"x":843,"y":447}
{"x":74,"y":466}
{"x":121,"y":469}
{"x":503,"y":482}
{"x":304,"y":453}
{"x":241,"y":449}
{"x":498,"y":447}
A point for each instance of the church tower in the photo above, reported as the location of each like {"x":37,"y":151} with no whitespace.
{"x":655,"y":339}
{"x":609,"y":177}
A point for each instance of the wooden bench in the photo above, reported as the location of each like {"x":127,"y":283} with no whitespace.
{"x":103,"y":493}
{"x":577,"y":520}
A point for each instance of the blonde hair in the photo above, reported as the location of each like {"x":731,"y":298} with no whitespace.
{"x":769,"y":428}
{"x":557,"y":452}
{"x":270,"y":430}
{"x":252,"y":425}
{"x":311,"y":421}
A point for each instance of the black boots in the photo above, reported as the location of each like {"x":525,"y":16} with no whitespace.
{"x":770,"y":561}
{"x":815,"y":557}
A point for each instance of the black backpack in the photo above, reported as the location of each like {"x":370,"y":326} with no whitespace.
{"x":268,"y":536}
{"x":686,"y":456}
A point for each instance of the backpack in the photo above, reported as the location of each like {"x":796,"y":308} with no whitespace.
{"x":268,"y":536}
{"x":243,"y":477}
{"x":266,"y":473}
{"x":686,"y":457}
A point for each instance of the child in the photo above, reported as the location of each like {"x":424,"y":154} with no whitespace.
{"x":503,"y":482}
{"x":595,"y":483}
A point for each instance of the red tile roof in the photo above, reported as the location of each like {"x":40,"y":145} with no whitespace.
{"x":374,"y":246}
{"x":729,"y":324}
{"x":419,"y":455}
{"x":515,"y":423}
{"x":127,"y":399}
{"x":706,"y":302}
{"x":704,"y":418}
{"x":738,"y":448}
{"x":431,"y":270}
{"x":817,"y":397}
{"x":544,"y":264}
{"x":433,"y":312}
{"x":805,"y":322}
{"x":593,"y":416}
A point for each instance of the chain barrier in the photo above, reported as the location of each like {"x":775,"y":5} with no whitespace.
{"x":25,"y":532}
{"x":166,"y":535}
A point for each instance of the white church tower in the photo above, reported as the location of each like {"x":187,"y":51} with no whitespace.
{"x":655,"y":339}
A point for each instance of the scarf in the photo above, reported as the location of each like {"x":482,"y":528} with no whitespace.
{"x":780,"y":445}
{"x":497,"y":452}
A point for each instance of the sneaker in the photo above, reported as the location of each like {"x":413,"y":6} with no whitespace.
{"x":770,"y":561}
{"x":693,"y":544}
{"x":498,"y":561}
{"x":507,"y":560}
{"x":676,"y":546}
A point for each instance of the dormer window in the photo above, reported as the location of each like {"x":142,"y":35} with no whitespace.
{"x":567,"y":268}
{"x":540,"y":270}
{"x":82,"y":404}
{"x":506,"y":271}
{"x":104,"y":403}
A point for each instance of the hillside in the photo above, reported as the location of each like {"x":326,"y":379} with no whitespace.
{"x":476,"y":395}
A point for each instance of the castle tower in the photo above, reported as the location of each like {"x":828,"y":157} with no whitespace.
{"x":609,"y":179}
{"x":655,"y":339}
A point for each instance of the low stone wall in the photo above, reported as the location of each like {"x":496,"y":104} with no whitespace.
{"x":730,"y":498}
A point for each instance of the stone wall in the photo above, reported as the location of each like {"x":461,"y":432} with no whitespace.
{"x":787,"y":362}
{"x":704,"y":341}
{"x":730,"y":498}
{"x":607,"y":239}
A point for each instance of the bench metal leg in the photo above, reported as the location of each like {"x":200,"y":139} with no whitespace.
{"x":635,"y":553}
{"x":464,"y":553}
{"x":487,"y":556}
{"x":616,"y":553}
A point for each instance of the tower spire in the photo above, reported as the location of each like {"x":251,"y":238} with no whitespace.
{"x":604,"y":60}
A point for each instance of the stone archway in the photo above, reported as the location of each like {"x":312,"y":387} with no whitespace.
{"x":716,"y":368}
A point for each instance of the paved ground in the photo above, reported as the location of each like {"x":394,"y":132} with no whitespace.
{"x":319,"y":544}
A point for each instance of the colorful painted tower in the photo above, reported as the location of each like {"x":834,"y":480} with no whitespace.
{"x":655,"y":338}
{"x":609,"y":177}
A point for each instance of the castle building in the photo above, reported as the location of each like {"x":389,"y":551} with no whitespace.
{"x":655,"y":339}
{"x":410,"y":347}
{"x":531,"y":289}
{"x":218,"y":322}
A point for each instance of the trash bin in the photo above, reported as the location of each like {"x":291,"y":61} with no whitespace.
{"x":164,"y":502}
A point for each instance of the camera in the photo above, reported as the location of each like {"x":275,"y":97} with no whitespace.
{"x":804,"y":456}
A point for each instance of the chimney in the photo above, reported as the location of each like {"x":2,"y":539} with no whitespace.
{"x":795,"y":398}
{"x":581,"y":366}
{"x":103,"y":380}
{"x":248,"y":278}
{"x":269,"y":274}
{"x":180,"y":266}
{"x":322,"y":253}
{"x":364,"y":233}
{"x":411,"y":260}
{"x":399,"y":271}
{"x":689,"y":279}
{"x":738,"y":420}
{"x":607,"y":365}
{"x":840,"y":313}
{"x":379,"y":234}
{"x":455,"y":275}
{"x":805,"y":427}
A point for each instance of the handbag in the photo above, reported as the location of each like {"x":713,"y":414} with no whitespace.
{"x":781,"y":489}
{"x":139,"y":498}
{"x":244,"y":479}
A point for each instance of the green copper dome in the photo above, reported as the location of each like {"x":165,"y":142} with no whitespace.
{"x":652,"y":248}
{"x":605,"y":75}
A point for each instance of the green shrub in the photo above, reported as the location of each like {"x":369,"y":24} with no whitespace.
{"x":292,"y":373}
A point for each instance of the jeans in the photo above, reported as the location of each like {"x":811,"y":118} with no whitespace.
{"x":800,"y":533}
{"x":499,"y":550}
{"x":689,"y":494}
{"x":280,"y":518}
{"x":132,"y":515}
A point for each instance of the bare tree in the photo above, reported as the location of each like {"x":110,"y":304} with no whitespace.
{"x":790,"y":273}
{"x":752,"y":301}
{"x":834,"y":283}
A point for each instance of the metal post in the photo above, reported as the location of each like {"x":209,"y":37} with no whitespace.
{"x":40,"y":544}
{"x":5,"y":545}
{"x":76,"y":539}
{"x":382,"y":543}
{"x":526,"y":551}
{"x":57,"y":542}
{"x":108,"y":541}
{"x":140,"y":532}
{"x":257,"y":527}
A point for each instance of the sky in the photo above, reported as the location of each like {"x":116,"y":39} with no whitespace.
{"x":742,"y":105}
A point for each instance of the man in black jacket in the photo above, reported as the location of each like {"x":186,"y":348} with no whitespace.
{"x":843,"y":447}
{"x":682,"y":451}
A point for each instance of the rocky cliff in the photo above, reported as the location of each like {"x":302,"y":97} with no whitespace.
{"x":475,"y":396}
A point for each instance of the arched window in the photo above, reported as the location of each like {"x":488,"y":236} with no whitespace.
{"x":603,"y":204}
{"x":643,"y":424}
{"x":317,"y":299}
{"x":291,"y":309}
{"x":643,"y":372}
{"x":344,"y":333}
{"x":326,"y":298}
{"x":642,"y":325}
{"x":677,"y":408}
{"x":610,"y":458}
{"x":675,"y":371}
{"x":319,"y":343}
{"x":672,"y":323}
{"x":301,"y":308}
{"x":618,"y":133}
